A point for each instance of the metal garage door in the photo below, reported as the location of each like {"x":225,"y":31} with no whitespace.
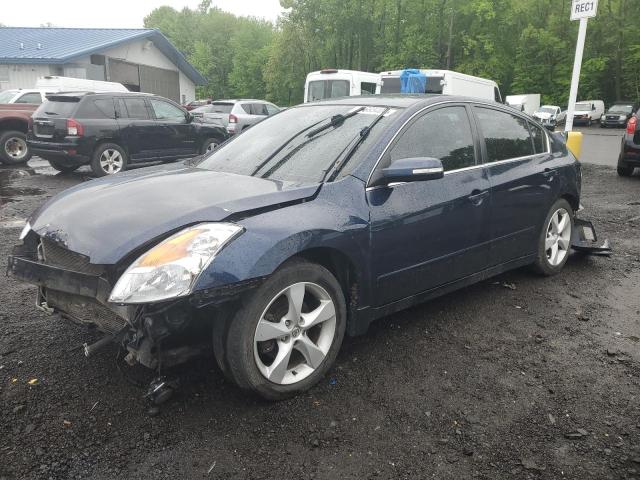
{"x":125,"y":73}
{"x":160,"y":81}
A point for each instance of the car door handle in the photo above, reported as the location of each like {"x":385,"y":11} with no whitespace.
{"x":549,"y":174}
{"x":477,"y":196}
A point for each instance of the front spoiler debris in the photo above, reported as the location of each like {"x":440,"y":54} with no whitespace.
{"x":585,"y":240}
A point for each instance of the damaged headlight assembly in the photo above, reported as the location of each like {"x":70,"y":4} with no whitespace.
{"x":170,"y":269}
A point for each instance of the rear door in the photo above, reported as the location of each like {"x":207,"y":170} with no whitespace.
{"x":179,"y":136}
{"x":141,"y":134}
{"x":522,"y":175}
{"x":429,"y":233}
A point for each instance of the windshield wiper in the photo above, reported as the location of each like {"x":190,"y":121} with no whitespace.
{"x":335,"y":121}
{"x":334,"y":169}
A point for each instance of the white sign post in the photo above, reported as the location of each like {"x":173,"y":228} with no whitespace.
{"x":581,"y":10}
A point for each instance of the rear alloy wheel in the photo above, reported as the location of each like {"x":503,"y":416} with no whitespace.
{"x":554,"y":243}
{"x":13,"y":148}
{"x":108,"y":159}
{"x":288,"y":334}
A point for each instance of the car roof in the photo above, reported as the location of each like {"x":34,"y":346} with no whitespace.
{"x":240,"y":100}
{"x":82,"y":93}
{"x":398,"y":100}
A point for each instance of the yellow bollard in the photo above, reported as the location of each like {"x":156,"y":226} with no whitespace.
{"x":574,"y":143}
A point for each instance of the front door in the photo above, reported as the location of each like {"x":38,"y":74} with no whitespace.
{"x":429,"y":233}
{"x":178,"y":136}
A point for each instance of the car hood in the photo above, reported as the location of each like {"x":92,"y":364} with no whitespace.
{"x":107,"y":219}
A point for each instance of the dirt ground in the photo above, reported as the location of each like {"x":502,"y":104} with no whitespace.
{"x":517,"y":377}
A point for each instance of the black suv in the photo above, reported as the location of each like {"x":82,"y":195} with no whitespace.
{"x":111,"y":131}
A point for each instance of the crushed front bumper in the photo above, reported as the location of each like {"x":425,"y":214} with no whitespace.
{"x":584,"y":239}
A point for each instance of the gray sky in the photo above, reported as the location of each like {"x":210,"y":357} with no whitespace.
{"x":115,"y":13}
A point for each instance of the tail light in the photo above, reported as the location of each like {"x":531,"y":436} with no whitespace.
{"x":632,"y":125}
{"x":74,"y":128}
{"x":233,"y":118}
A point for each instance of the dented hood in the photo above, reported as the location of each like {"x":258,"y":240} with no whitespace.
{"x":106,"y":219}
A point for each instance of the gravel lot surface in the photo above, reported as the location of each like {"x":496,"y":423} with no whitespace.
{"x":516,"y":377}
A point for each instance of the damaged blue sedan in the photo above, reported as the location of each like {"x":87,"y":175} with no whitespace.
{"x":304,"y":229}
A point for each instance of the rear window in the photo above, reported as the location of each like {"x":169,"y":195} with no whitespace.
{"x":56,"y":108}
{"x":221,"y":107}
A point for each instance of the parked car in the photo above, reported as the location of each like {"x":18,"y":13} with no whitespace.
{"x":588,"y":111}
{"x":111,"y":131}
{"x":195,"y":104}
{"x":334,"y":83}
{"x":235,"y":115}
{"x":629,"y":158}
{"x":550,"y":116}
{"x":14,"y":124}
{"x":307,"y":227}
{"x":445,"y":82}
{"x":618,"y":114}
{"x":31,"y":96}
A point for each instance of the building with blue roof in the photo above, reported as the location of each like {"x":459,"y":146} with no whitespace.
{"x":142,"y":59}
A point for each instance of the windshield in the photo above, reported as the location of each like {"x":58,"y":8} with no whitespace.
{"x":583,"y":107}
{"x":7,"y":95}
{"x":621,"y":109}
{"x":547,"y":110}
{"x":279,"y":147}
{"x":321,"y":89}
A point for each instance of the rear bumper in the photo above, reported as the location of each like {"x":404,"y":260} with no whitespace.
{"x":73,"y":153}
{"x":630,"y":153}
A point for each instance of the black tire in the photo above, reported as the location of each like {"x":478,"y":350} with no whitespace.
{"x":14,"y":149}
{"x":61,"y":167}
{"x":205,"y":145}
{"x":542,"y":264}
{"x":239,"y":355}
{"x":625,"y":171}
{"x":96,"y":166}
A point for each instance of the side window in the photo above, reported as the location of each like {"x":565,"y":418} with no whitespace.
{"x":33,"y":97}
{"x":539,"y":138}
{"x":272,"y":109}
{"x":444,"y":134}
{"x":246,"y":107}
{"x":259,"y":109}
{"x":166,"y":111}
{"x":496,"y":95}
{"x":135,"y":108}
{"x":97,"y":108}
{"x":506,"y":136}
{"x":367,"y":88}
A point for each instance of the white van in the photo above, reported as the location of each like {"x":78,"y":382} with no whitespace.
{"x":332,"y":83}
{"x":528,"y":104}
{"x":68,"y":84}
{"x":446,"y":82}
{"x":588,"y":111}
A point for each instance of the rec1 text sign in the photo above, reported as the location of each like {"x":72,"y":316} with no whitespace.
{"x":583,"y":9}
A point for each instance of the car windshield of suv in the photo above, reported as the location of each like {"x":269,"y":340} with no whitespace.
{"x":7,"y":95}
{"x":280,"y":147}
{"x":583,"y":107}
{"x":626,"y":109}
{"x":221,"y":107}
{"x":547,"y":110}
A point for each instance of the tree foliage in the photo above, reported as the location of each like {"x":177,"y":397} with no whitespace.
{"x":526,"y":46}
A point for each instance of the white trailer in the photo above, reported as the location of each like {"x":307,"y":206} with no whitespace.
{"x":69,"y":84}
{"x":333,"y":83}
{"x":446,"y":82}
{"x":529,"y":103}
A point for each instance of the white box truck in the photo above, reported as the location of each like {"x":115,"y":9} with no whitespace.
{"x":445,"y":82}
{"x":333,"y":83}
{"x":529,"y":103}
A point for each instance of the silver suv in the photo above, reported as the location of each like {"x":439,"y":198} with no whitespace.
{"x":235,"y":115}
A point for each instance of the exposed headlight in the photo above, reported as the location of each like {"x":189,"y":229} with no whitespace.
{"x":171,"y":268}
{"x":25,"y":231}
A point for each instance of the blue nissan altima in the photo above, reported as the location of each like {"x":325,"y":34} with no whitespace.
{"x":305,"y":228}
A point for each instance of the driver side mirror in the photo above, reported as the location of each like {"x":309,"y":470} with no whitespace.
{"x":415,"y":169}
{"x":189,"y":117}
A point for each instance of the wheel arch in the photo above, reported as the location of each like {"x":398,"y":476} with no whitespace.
{"x":572,"y":199}
{"x":18,"y":124}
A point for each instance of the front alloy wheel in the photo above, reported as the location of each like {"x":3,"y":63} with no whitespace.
{"x":286,"y":335}
{"x":294,"y":333}
{"x":554,"y":242}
